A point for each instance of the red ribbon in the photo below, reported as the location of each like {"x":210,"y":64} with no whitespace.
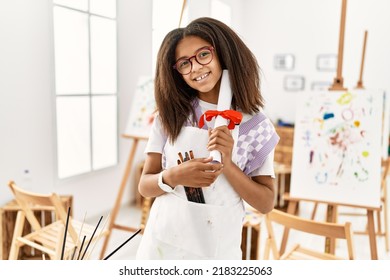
{"x":234,"y":117}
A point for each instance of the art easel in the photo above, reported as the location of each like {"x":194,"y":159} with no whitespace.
{"x":385,"y":168}
{"x":113,"y":225}
{"x":332,"y":213}
{"x":182,"y":11}
{"x":360,"y":81}
{"x":338,"y":82}
{"x":331,"y":216}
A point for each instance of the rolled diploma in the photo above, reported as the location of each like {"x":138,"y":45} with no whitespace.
{"x":224,"y":103}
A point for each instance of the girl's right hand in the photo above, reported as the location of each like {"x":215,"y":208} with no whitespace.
{"x":198,"y":173}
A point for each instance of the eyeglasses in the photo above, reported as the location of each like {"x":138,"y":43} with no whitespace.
{"x":204,"y":56}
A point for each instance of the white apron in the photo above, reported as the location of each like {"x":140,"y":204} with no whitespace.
{"x":181,"y":229}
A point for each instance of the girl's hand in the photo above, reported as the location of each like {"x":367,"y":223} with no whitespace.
{"x":198,"y":173}
{"x":220,"y":139}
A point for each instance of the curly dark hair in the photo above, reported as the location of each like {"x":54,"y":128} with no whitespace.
{"x":174,"y":97}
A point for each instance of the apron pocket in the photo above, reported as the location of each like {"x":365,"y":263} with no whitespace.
{"x":202,"y":229}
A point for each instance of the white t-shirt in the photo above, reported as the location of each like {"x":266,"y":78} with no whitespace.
{"x":157,"y":139}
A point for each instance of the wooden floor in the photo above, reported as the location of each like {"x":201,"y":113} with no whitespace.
{"x":129,"y":215}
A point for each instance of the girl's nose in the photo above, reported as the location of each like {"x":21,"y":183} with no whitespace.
{"x":195,"y":65}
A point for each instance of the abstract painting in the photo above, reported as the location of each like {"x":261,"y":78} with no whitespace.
{"x":337,"y":147}
{"x":142,"y":110}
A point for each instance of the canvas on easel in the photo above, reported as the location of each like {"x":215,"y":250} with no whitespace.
{"x":142,"y":110}
{"x":337,"y":147}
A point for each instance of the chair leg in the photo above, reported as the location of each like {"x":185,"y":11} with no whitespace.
{"x":244,"y":242}
{"x":60,"y":242}
{"x":15,"y":245}
{"x":267,"y":249}
{"x":270,"y":243}
{"x":255,"y":242}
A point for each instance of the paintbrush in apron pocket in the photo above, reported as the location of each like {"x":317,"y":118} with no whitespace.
{"x":193,"y":194}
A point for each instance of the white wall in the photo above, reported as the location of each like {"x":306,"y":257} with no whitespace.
{"x":27,"y":116}
{"x":307,"y":28}
{"x":202,"y":8}
{"x":26,"y":122}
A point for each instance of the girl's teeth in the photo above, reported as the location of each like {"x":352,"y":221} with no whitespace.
{"x":201,"y":77}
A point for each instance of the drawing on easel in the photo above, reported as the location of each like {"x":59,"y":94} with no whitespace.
{"x":143,"y":109}
{"x":337,"y":147}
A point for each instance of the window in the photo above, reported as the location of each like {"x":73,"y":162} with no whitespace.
{"x":86,"y":85}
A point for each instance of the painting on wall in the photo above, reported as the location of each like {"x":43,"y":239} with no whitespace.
{"x":337,"y":147}
{"x":294,"y":83}
{"x":284,"y":62}
{"x":320,"y":86}
{"x":327,"y":62}
{"x":142,"y":110}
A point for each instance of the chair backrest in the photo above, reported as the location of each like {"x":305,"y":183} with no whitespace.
{"x":28,"y":201}
{"x":325,"y":229}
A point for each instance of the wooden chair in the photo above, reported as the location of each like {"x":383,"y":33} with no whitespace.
{"x":299,"y":252}
{"x":49,"y":239}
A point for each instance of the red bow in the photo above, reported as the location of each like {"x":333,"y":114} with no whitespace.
{"x":234,"y":117}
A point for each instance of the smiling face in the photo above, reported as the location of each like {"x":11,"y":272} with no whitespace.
{"x":205,"y":79}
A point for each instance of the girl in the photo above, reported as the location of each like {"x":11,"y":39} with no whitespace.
{"x":187,"y":83}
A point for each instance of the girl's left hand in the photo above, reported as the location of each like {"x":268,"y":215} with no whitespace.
{"x":220,"y":139}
